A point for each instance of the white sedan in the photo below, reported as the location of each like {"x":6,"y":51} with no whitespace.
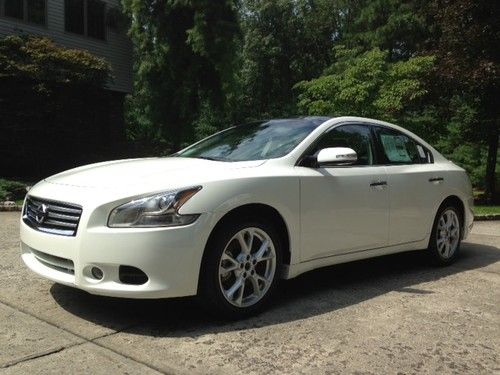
{"x":227,"y":217}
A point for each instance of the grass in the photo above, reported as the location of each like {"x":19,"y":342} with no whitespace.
{"x":487,"y":210}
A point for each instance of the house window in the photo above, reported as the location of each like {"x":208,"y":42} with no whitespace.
{"x":74,"y":16}
{"x":95,"y":19}
{"x":14,"y":9}
{"x":85,"y":17}
{"x":34,"y":11}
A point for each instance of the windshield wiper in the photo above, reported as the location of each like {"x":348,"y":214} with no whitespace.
{"x":210,"y":158}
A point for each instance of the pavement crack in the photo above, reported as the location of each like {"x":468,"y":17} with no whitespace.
{"x":84,"y":341}
{"x":38,"y":355}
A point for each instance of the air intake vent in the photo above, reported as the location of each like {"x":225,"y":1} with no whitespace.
{"x":52,"y":217}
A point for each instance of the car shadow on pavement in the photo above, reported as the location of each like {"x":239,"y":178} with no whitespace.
{"x":314,"y":293}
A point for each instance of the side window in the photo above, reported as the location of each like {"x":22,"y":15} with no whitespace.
{"x":357,"y":137}
{"x":398,"y":148}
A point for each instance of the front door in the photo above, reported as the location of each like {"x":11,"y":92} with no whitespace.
{"x":344,"y":208}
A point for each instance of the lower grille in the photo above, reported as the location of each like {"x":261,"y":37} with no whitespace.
{"x":51,"y":216}
{"x":57,"y":263}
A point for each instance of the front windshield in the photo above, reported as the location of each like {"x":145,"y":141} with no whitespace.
{"x":255,"y":141}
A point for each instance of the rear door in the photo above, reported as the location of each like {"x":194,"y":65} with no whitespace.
{"x":415,"y":186}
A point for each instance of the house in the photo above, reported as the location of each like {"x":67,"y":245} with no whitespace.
{"x":97,"y":26}
{"x":83,"y":24}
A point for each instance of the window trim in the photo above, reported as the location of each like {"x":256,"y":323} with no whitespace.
{"x":24,"y":20}
{"x":381,"y":153}
{"x":306,"y":153}
{"x":85,"y":23}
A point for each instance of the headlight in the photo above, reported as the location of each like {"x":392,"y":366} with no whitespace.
{"x":159,"y":210}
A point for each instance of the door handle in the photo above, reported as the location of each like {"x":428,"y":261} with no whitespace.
{"x":436,"y":179}
{"x":378,"y":183}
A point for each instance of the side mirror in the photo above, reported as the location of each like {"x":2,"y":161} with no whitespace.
{"x":336,"y":156}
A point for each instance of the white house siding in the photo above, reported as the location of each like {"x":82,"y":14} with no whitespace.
{"x":116,"y":49}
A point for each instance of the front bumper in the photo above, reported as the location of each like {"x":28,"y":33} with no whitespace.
{"x":170,"y":257}
{"x":469,"y":218}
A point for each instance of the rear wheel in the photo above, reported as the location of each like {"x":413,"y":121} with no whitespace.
{"x":240,"y":269}
{"x":446,"y":235}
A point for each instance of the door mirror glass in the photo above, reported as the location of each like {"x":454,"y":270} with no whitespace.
{"x":337,"y":156}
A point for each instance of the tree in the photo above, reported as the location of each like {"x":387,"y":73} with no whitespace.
{"x":466,"y":46}
{"x":284,"y":42}
{"x":397,"y":26}
{"x":46,"y":92}
{"x":369,"y":84}
{"x":184,"y":55}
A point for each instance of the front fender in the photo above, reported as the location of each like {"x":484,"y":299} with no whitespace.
{"x":280,"y":193}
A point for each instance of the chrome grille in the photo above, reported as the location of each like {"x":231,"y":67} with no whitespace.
{"x":52,"y":217}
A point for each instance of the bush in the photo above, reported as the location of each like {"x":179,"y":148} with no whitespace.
{"x":54,"y":112}
{"x":11,"y":190}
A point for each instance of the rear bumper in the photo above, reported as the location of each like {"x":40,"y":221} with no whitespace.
{"x":170,"y":258}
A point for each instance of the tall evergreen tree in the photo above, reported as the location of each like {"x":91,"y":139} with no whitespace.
{"x":466,"y":45}
{"x":285,"y":41}
{"x":184,"y":54}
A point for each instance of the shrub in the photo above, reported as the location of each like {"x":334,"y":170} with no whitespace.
{"x":11,"y":190}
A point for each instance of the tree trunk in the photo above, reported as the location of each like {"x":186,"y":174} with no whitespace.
{"x":491,"y":194}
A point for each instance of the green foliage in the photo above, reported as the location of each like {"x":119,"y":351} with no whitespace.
{"x":184,"y":59}
{"x":50,"y":96}
{"x":487,"y":210}
{"x":431,"y":66}
{"x":466,"y":44}
{"x":396,"y":26}
{"x":40,"y":60}
{"x":11,"y":190}
{"x":284,"y":42}
{"x":368,"y":84}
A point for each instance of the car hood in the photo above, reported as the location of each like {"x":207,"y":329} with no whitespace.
{"x":166,"y":172}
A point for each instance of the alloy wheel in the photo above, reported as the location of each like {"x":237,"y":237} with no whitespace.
{"x":448,"y":234}
{"x":247,"y":267}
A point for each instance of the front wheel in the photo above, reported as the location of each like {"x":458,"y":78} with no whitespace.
{"x":240,"y":269}
{"x":444,"y":243}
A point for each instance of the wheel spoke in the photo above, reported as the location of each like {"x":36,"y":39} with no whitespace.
{"x":239,"y":298}
{"x":237,"y":285}
{"x":223,"y":270}
{"x":261,"y":278}
{"x":246,"y":247}
{"x":447,"y":249}
{"x":234,"y":265}
{"x":262,"y":250}
{"x":255,"y":285}
{"x":442,"y":222}
{"x":441,"y":247}
{"x":449,"y":220}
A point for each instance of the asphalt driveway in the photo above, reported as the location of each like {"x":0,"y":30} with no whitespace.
{"x":394,"y":314}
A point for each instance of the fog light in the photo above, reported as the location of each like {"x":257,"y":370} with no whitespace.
{"x":97,"y":273}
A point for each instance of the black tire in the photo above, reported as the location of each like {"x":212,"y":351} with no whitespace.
{"x":435,"y":253}
{"x":210,"y":295}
